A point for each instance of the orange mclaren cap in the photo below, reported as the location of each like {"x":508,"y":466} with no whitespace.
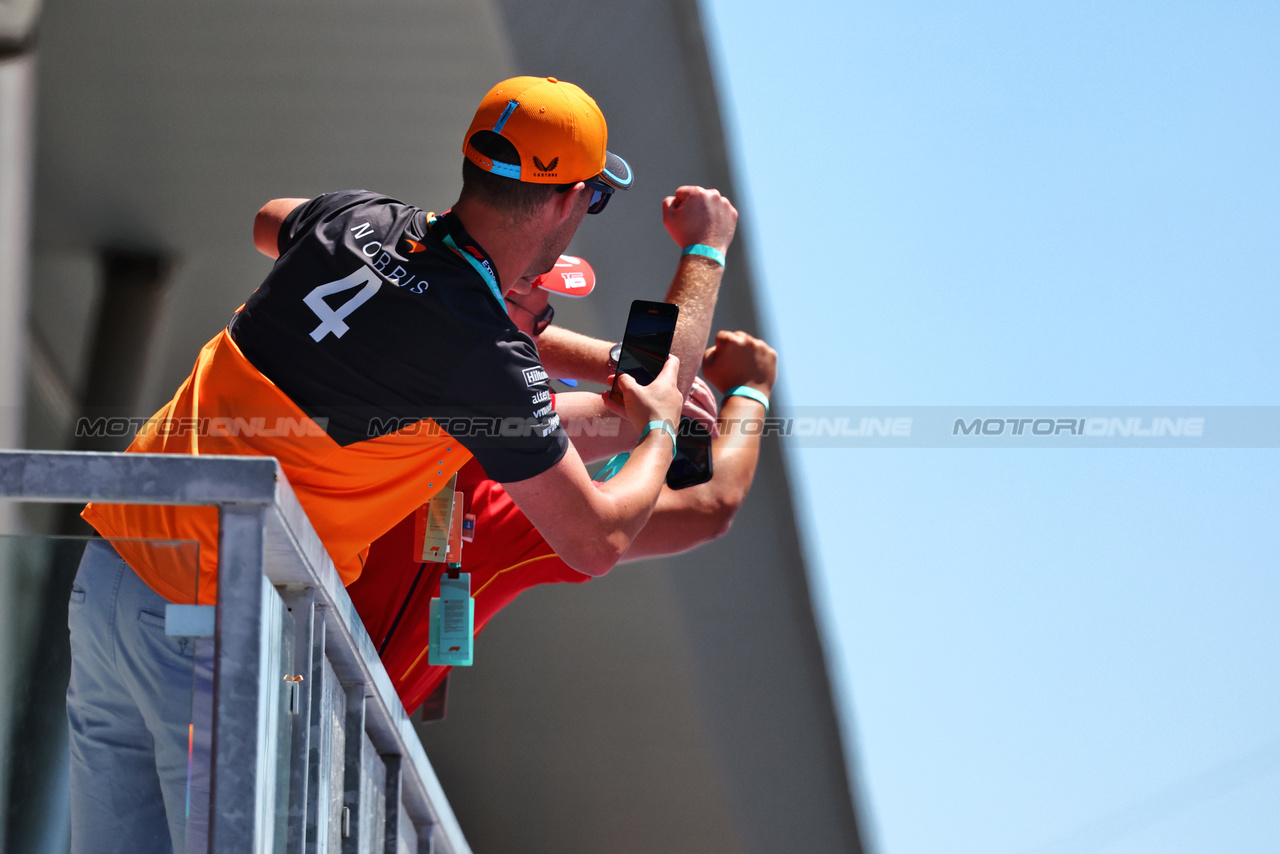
{"x":557,"y":130}
{"x":571,"y":276}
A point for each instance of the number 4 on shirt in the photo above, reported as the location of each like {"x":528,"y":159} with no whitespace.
{"x":332,"y":320}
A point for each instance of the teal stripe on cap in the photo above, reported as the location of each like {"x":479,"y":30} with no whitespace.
{"x":506,"y":114}
{"x":506,"y":170}
{"x":622,"y":182}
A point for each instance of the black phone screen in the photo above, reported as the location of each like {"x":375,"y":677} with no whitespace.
{"x":647,"y":342}
{"x":692,"y":463}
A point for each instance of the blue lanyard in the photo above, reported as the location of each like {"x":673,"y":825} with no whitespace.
{"x":484,"y":272}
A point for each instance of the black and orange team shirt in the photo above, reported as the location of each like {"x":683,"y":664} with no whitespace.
{"x":373,"y":361}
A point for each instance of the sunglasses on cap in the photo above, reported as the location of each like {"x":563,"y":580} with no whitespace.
{"x":541,"y":320}
{"x":601,"y":192}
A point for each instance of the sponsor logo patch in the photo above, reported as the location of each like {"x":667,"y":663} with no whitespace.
{"x":552,"y":423}
{"x":534,"y":376}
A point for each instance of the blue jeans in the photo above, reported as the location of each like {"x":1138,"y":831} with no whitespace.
{"x":130,"y":708}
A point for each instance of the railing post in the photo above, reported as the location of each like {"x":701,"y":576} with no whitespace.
{"x":354,"y":769}
{"x":236,"y":785}
{"x":302,"y":603}
{"x":427,"y":839}
{"x":394,"y":807}
{"x":325,"y":756}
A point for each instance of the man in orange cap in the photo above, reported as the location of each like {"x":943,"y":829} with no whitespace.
{"x":375,"y":359}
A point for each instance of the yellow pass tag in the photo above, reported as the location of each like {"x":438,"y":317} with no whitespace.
{"x":433,"y":523}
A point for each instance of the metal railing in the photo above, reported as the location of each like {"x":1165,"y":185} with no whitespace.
{"x":355,"y":778}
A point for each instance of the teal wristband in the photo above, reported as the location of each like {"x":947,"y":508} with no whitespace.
{"x":656,"y":425}
{"x":705,"y":251}
{"x":748,"y":391}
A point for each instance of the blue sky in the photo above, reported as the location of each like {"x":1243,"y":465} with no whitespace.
{"x":1030,"y":204}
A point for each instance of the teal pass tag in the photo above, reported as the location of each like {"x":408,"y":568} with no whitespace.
{"x":452,"y":620}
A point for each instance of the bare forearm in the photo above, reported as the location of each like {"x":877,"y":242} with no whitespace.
{"x":595,"y":431}
{"x":623,"y":508}
{"x":591,"y":526}
{"x":695,"y":288}
{"x":640,"y":480}
{"x":686,"y":518}
{"x":565,"y":353}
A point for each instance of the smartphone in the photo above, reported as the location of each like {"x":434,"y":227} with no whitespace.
{"x":650,"y":327}
{"x":692,"y":463}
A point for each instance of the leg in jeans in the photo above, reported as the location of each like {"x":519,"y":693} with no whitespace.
{"x":129,"y":705}
{"x":116,"y":803}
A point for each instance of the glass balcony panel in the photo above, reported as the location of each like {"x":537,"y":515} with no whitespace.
{"x":50,"y":735}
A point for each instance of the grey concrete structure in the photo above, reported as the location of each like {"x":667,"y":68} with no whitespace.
{"x":678,"y":705}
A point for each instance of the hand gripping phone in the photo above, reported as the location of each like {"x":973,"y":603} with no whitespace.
{"x":692,"y":463}
{"x":650,"y":328}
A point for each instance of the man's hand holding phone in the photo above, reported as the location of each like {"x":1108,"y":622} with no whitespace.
{"x":660,"y":400}
{"x":646,"y":343}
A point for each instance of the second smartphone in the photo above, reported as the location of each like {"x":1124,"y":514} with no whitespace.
{"x":692,"y":463}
